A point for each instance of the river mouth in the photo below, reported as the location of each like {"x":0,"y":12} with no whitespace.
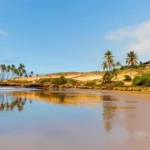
{"x":73,"y":119}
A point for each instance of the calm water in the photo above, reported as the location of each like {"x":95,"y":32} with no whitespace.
{"x":73,"y":120}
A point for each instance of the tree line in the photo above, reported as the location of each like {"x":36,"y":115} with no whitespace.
{"x":111,"y":67}
{"x":109,"y":62}
{"x":11,"y":71}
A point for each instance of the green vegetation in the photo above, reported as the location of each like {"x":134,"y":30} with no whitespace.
{"x":108,"y":76}
{"x":127,"y":78}
{"x":118,"y":84}
{"x":143,"y":80}
{"x":112,"y":69}
{"x":58,"y":81}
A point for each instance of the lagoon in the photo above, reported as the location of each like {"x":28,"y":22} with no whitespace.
{"x":73,"y":120}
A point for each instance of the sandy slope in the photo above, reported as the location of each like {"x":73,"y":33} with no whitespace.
{"x":77,"y":76}
{"x":86,"y":76}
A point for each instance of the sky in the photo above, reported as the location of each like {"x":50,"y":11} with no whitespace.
{"x":72,"y":35}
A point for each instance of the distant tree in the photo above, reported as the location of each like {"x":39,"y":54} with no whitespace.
{"x":109,"y":59}
{"x":131,"y":59}
{"x":21,"y":70}
{"x":118,"y":64}
{"x":24,"y":72}
{"x":8,"y":69}
{"x":3,"y":69}
{"x":141,"y":64}
{"x":13,"y":67}
{"x":115,"y":73}
{"x":104,"y":65}
{"x":31,"y":73}
{"x":26,"y":75}
{"x":108,"y":76}
{"x":16,"y":72}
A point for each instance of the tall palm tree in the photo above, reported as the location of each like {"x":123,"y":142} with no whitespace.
{"x":24,"y":72}
{"x":21,"y":69}
{"x":8,"y":68}
{"x":13,"y":67}
{"x":3,"y":69}
{"x":109,"y":58}
{"x":104,"y":65}
{"x":16,"y":72}
{"x":132,"y":59}
{"x":118,"y":64}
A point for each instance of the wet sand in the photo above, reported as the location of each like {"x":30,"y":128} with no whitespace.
{"x":74,"y":120}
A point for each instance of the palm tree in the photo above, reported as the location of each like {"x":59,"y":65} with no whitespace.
{"x":132,"y":59}
{"x":21,"y":69}
{"x":16,"y":72}
{"x":13,"y":70}
{"x":8,"y":68}
{"x":24,"y":72}
{"x":104,"y":65}
{"x":3,"y":69}
{"x":31,"y":73}
{"x":118,"y":64}
{"x":115,"y":73}
{"x":109,"y":58}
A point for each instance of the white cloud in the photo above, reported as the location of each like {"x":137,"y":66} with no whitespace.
{"x":3,"y":33}
{"x":136,"y":37}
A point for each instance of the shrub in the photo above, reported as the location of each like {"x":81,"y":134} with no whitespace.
{"x":108,"y":76}
{"x":90,"y":83}
{"x":147,"y":82}
{"x":127,"y":78}
{"x":118,"y":84}
{"x":143,"y":80}
{"x":44,"y":80}
{"x":115,"y":73}
{"x":59,"y":81}
{"x":71,"y":81}
{"x":137,"y":81}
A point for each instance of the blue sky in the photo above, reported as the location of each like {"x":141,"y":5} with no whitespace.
{"x":72,"y":35}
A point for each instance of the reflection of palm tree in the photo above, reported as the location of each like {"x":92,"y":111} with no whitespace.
{"x":12,"y":104}
{"x":61,"y":99}
{"x":108,"y":112}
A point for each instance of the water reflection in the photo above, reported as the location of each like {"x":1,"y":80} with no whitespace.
{"x":110,"y":107}
{"x":11,"y":103}
{"x":102,"y":118}
{"x":61,"y":98}
{"x":109,"y":104}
